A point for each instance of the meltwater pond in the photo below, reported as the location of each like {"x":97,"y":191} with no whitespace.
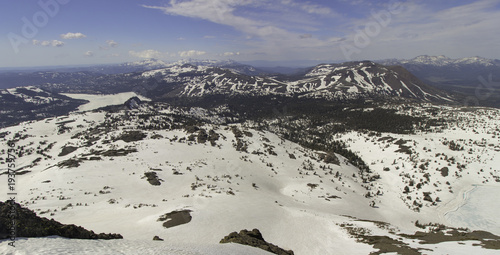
{"x":480,"y":210}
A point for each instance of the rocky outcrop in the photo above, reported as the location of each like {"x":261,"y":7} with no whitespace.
{"x":254,"y":238}
{"x":28,"y":224}
{"x":157,"y":238}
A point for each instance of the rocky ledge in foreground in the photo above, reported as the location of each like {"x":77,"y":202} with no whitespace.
{"x":30,"y":225}
{"x":254,"y":238}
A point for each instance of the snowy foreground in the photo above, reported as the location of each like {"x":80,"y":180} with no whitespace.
{"x":79,"y":169}
{"x":56,"y":245}
{"x":51,"y":246}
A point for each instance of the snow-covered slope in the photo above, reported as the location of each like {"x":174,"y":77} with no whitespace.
{"x":433,"y":171}
{"x":226,"y":190}
{"x":122,"y":172}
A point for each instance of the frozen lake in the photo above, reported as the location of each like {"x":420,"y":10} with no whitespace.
{"x":479,"y":211}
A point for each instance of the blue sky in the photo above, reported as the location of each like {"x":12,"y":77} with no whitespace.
{"x":81,"y":32}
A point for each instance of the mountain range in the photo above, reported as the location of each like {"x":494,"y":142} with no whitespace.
{"x":476,"y":79}
{"x":197,"y":81}
{"x":465,"y":78}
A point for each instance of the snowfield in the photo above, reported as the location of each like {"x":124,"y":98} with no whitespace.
{"x":467,"y":150}
{"x":58,"y":245}
{"x":98,"y":101}
{"x":479,"y":209}
{"x":108,"y":173}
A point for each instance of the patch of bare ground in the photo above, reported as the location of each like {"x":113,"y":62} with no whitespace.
{"x":434,"y":234}
{"x":176,"y":218}
{"x":488,"y":240}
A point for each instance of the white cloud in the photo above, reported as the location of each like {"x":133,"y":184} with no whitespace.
{"x":457,"y":31}
{"x":358,"y":2}
{"x":111,"y":43}
{"x":265,"y":25}
{"x":73,"y":36}
{"x":309,"y":8}
{"x":336,"y":39}
{"x":147,"y":54}
{"x":208,"y":37}
{"x":190,"y":53}
{"x":254,"y":25}
{"x":56,"y":43}
{"x":228,"y":54}
{"x":89,"y":54}
{"x":53,"y":43}
{"x":316,"y":9}
{"x":307,"y":29}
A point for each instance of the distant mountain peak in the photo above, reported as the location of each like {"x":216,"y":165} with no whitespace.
{"x":442,"y":61}
{"x":434,"y":60}
{"x":460,"y":76}
{"x":151,"y":62}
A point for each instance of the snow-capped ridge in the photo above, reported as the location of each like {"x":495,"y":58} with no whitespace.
{"x":443,"y":61}
{"x":344,"y":81}
{"x":149,"y":63}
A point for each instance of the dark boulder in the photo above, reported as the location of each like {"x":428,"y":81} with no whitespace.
{"x":254,"y":238}
{"x":157,"y":238}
